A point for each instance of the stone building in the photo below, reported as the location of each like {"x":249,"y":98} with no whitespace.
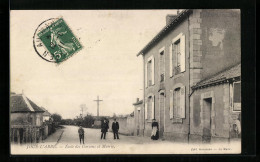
{"x":194,"y":45}
{"x":26,"y":120}
{"x":216,"y":110}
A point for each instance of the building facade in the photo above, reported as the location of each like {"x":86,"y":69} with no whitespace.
{"x":194,"y":45}
{"x":216,"y":107}
{"x":26,"y":120}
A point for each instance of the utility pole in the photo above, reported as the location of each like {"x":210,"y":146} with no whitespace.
{"x":82,"y":106}
{"x":98,"y":100}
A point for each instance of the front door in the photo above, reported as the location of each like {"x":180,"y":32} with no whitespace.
{"x":206,"y":116}
{"x":161,"y":121}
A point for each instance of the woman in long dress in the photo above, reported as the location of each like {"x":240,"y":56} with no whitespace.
{"x":155,"y":130}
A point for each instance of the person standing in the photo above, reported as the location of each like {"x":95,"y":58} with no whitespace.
{"x":115,"y":128}
{"x":155,"y":130}
{"x":81,"y":134}
{"x":104,"y":128}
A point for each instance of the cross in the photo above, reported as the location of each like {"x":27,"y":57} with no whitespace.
{"x":98,"y":100}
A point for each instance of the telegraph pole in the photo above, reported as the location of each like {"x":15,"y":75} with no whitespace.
{"x":98,"y":100}
{"x":82,"y":106}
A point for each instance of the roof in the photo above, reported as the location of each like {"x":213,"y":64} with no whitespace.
{"x":179,"y":18}
{"x":20,"y":103}
{"x":222,"y":76}
{"x":46,"y":112}
{"x":138,"y":103}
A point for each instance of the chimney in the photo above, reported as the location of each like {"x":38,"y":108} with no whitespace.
{"x":170,"y":18}
{"x":137,"y":100}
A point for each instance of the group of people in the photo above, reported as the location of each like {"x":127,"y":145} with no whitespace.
{"x":115,"y":128}
{"x":104,"y":130}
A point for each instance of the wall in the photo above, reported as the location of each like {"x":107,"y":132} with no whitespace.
{"x":22,"y":118}
{"x":126,"y":125}
{"x":222,"y":116}
{"x":172,"y":131}
{"x":221,"y":40}
{"x":214,"y":46}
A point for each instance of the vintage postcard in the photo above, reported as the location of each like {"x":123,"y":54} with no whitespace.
{"x":125,"y":82}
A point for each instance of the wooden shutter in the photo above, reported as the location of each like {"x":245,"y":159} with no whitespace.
{"x":146,"y":74}
{"x":171,"y":66}
{"x":153,"y":107}
{"x":237,"y":96}
{"x":175,"y":115}
{"x":182,"y":50}
{"x":152,"y":70}
{"x":171,"y":104}
{"x":145,"y":110}
{"x":182,"y":102}
{"x":231,"y":95}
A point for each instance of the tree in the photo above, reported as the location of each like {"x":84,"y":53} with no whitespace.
{"x":88,"y":121}
{"x":56,"y":117}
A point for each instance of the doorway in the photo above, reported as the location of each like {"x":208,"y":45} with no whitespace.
{"x":206,"y":117}
{"x":138,"y":121}
{"x":161,"y":120}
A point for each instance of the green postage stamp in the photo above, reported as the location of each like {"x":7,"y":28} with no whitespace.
{"x":59,"y":40}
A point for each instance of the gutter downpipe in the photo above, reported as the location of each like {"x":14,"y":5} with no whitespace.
{"x":144,"y":91}
{"x":189,"y":78}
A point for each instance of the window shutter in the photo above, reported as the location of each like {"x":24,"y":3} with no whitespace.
{"x":146,"y":74}
{"x":231,"y":95}
{"x":182,"y":102}
{"x":153,"y":108}
{"x":237,"y":96}
{"x":175,"y":115}
{"x":145,"y":113}
{"x":171,"y":104}
{"x":171,"y":66}
{"x":153,"y":71}
{"x":182,"y":50}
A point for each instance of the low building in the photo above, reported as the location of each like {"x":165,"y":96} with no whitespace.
{"x":26,"y":120}
{"x":46,"y":115}
{"x":47,"y":123}
{"x":216,"y":110}
{"x":139,"y":118}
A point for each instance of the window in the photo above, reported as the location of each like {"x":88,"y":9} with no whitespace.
{"x":162,"y":70}
{"x":149,"y":108}
{"x":38,"y":122}
{"x":176,"y":100}
{"x":177,"y":103}
{"x":177,"y":52}
{"x":177,"y":55}
{"x":237,"y":96}
{"x":149,"y":72}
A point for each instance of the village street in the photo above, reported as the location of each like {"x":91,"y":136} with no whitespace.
{"x":69,"y":135}
{"x":66,"y":141}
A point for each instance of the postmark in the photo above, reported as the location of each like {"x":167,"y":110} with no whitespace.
{"x":54,"y":41}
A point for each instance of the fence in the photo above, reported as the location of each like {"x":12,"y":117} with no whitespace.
{"x":26,"y":134}
{"x":20,"y":134}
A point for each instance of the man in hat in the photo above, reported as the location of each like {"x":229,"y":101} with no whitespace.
{"x":104,"y":128}
{"x":115,"y":128}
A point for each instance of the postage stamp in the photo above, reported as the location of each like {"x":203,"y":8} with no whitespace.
{"x":58,"y":40}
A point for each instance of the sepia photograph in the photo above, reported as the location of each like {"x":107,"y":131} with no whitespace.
{"x":88,"y":82}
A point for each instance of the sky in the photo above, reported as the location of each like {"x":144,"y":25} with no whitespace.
{"x":106,"y":66}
